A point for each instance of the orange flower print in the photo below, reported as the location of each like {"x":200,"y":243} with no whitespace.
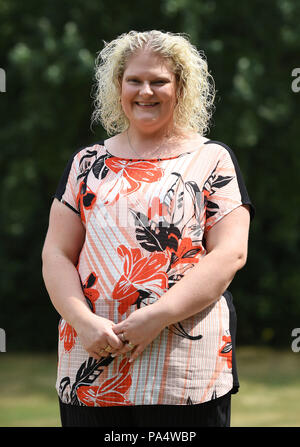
{"x":185,"y":252}
{"x":129,"y":175}
{"x":226,"y":350}
{"x":140,"y":273}
{"x":111,"y":392}
{"x":67,"y":334}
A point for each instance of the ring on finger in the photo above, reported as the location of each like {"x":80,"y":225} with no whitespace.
{"x":131,"y":345}
{"x":108,"y":348}
{"x":122,"y":337}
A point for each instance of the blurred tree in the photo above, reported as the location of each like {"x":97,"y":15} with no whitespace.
{"x":252,"y":52}
{"x":48,"y":50}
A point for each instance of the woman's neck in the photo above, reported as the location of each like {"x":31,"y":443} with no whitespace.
{"x":148,"y":141}
{"x":143,"y":145}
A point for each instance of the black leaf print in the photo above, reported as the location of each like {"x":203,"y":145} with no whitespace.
{"x":209,"y":180}
{"x":88,"y":373}
{"x":181,"y":332}
{"x":143,"y":295}
{"x":153,"y":237}
{"x":191,"y":253}
{"x":99,"y":167}
{"x":88,"y":199}
{"x":189,"y":401}
{"x":211,"y":204}
{"x":169,"y":237}
{"x":88,"y":370}
{"x":210,"y":214}
{"x":173,"y":279}
{"x":173,"y":260}
{"x":221,"y":181}
{"x":90,"y":281}
{"x":215,"y":181}
{"x":227,"y":348}
{"x":84,"y":161}
{"x":145,"y":235}
{"x":64,"y":383}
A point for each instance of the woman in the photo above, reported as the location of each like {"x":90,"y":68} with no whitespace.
{"x":146,"y":233}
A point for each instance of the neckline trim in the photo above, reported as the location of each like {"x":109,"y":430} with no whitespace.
{"x":102,"y":143}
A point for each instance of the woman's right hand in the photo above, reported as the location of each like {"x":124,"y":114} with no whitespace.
{"x":95,"y":334}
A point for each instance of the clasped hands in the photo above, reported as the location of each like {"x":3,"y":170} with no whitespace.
{"x":102,"y":337}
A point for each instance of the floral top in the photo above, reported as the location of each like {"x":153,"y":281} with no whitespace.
{"x":146,"y":221}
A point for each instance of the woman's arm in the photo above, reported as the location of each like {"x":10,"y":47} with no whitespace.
{"x":226,"y":245}
{"x":63,"y":243}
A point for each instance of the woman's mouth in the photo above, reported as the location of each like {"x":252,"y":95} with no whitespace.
{"x":146,"y":104}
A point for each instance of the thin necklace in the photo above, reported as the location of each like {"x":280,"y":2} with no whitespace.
{"x":135,"y":150}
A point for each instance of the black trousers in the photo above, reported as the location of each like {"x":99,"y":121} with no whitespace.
{"x":215,"y":413}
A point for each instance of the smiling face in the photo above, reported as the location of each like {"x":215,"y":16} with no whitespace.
{"x":148,"y":92}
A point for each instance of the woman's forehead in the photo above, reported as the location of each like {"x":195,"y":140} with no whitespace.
{"x":146,"y":60}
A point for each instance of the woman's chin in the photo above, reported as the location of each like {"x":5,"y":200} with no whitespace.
{"x":147,"y":123}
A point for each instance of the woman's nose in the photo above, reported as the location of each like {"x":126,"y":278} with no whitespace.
{"x":146,"y":89}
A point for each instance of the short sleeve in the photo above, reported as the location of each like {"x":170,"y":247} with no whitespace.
{"x":67,"y":189}
{"x":225,"y":189}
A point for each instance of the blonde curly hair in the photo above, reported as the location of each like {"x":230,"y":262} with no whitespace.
{"x":195,"y":91}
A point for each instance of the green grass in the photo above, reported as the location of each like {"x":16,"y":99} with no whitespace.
{"x":28,"y":397}
{"x":270,"y":389}
{"x":269,"y":395}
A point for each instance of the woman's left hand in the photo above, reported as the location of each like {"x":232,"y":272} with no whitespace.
{"x":139,"y":329}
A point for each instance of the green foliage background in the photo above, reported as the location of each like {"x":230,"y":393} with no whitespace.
{"x":48,"y":50}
